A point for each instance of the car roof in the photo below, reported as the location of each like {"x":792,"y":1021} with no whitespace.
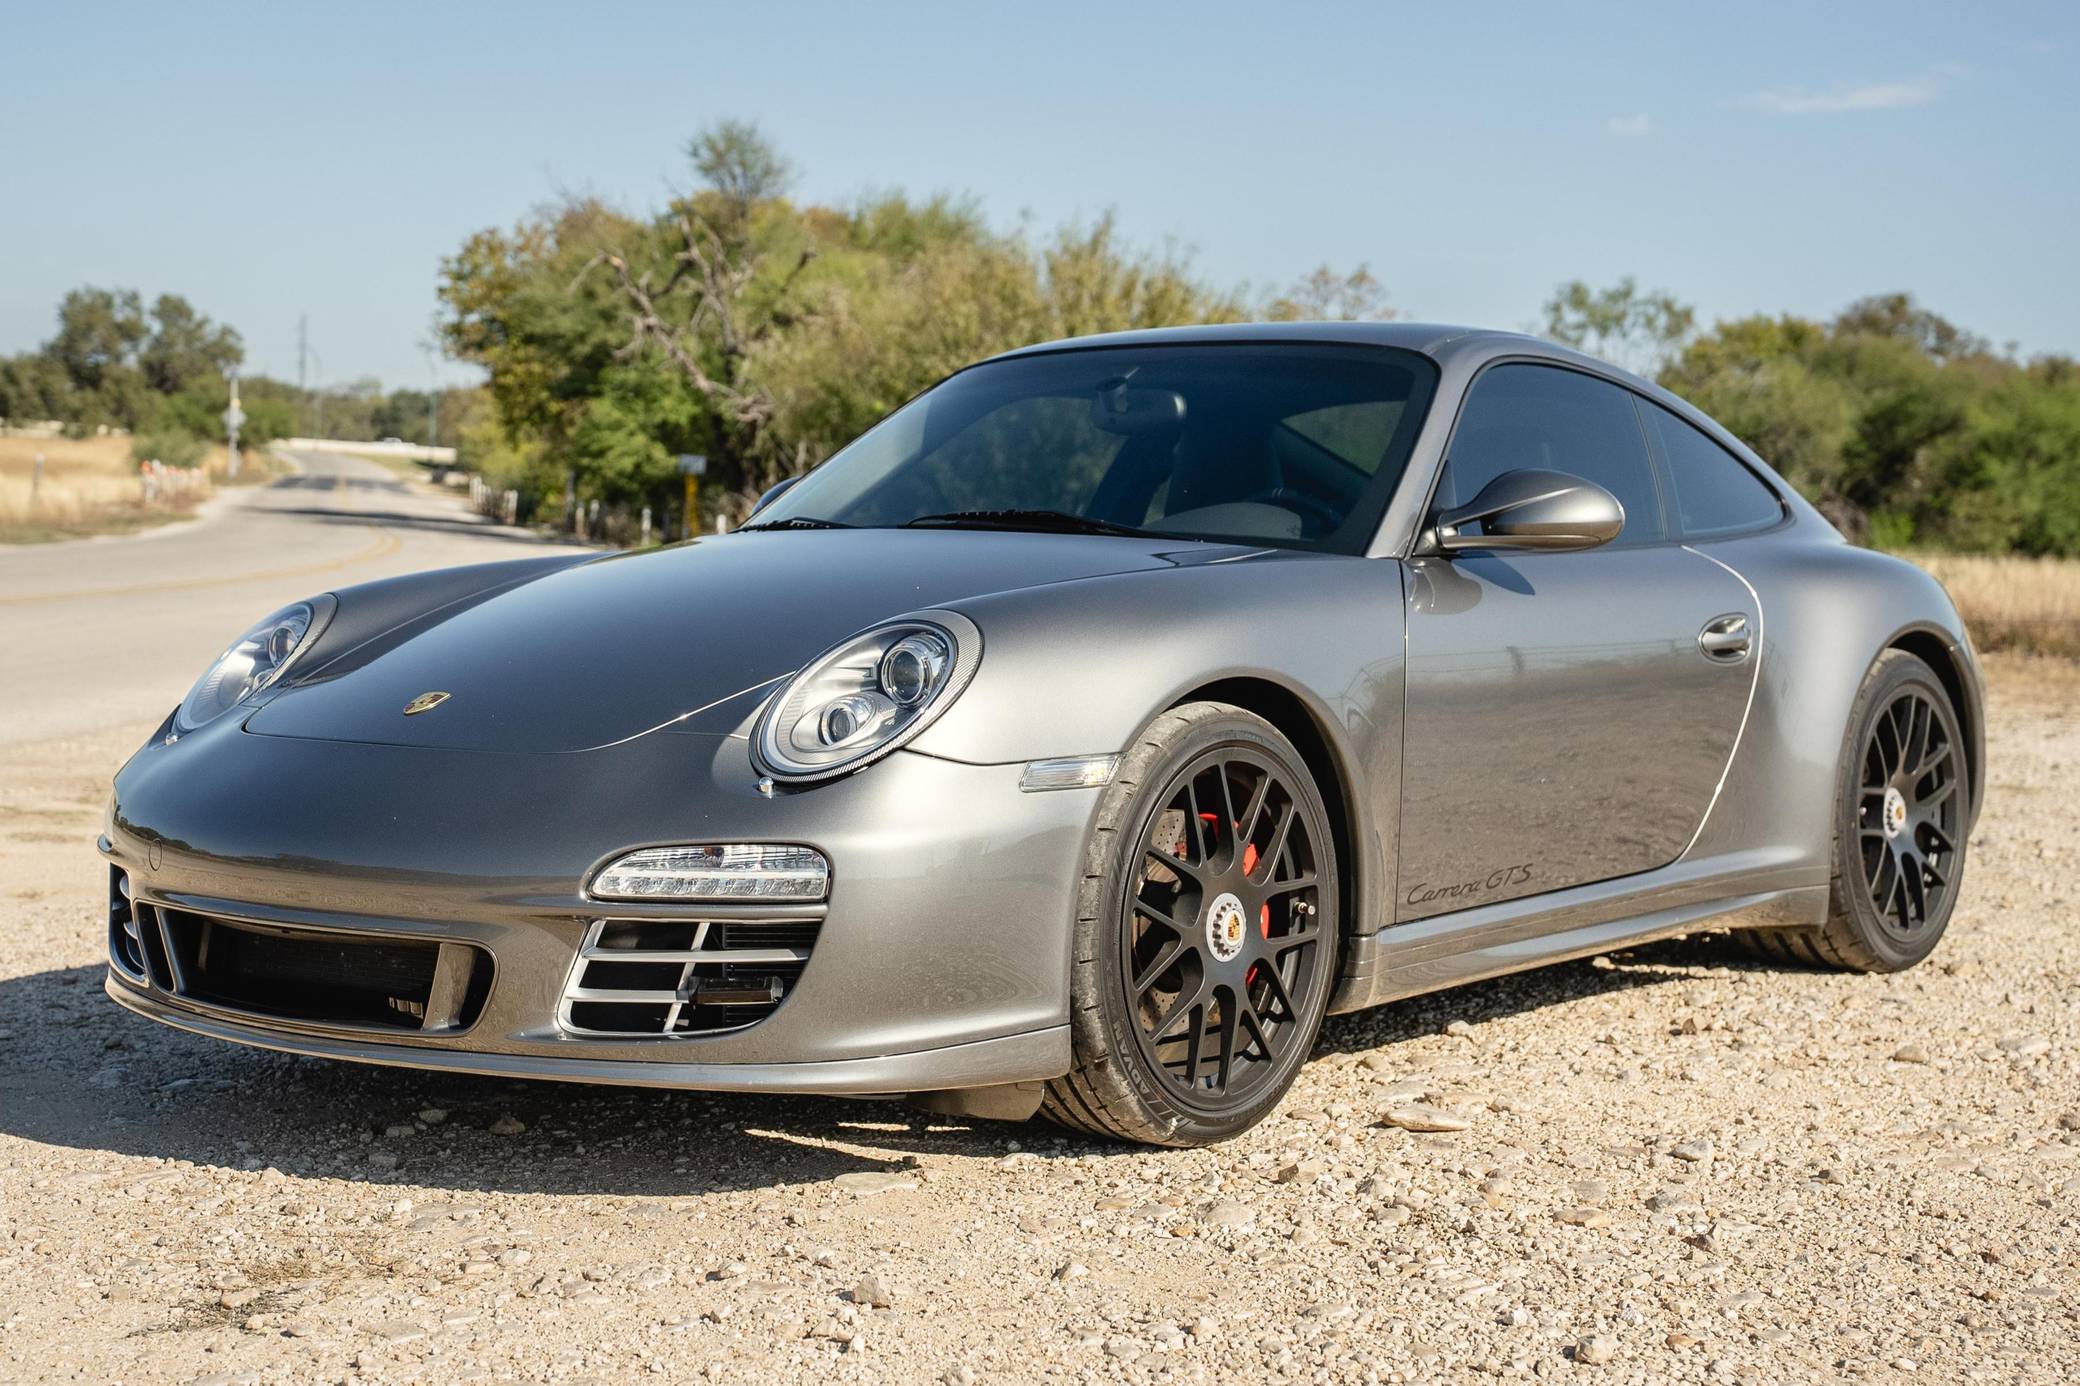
{"x":1442,"y":342}
{"x":1425,"y":337}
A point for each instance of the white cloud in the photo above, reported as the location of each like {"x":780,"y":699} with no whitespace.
{"x":1874,"y":96}
{"x":1630,"y":127}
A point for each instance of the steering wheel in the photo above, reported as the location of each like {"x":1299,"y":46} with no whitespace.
{"x":1306,"y":506}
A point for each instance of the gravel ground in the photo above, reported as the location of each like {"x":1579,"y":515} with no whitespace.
{"x":1668,"y":1165}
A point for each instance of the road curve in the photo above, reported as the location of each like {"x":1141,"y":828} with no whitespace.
{"x":100,"y":632}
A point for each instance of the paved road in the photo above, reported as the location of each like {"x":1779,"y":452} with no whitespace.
{"x":102,"y":632}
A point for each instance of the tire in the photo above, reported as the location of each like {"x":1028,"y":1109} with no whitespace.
{"x":1887,"y":916}
{"x":1199,"y":977}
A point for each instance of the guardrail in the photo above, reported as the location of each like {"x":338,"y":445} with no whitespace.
{"x":418,"y":452}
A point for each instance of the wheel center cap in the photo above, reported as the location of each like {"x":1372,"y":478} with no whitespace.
{"x":1226,"y":927}
{"x":1895,"y":811}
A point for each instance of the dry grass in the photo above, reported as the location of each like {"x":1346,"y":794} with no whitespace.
{"x":2030,"y":605}
{"x":90,"y":486}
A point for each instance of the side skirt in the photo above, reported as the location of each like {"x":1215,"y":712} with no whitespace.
{"x":1470,"y":945}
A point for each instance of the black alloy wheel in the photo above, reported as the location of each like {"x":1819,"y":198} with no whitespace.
{"x":1207,"y":933}
{"x":1223,"y":929}
{"x":1910,"y":812}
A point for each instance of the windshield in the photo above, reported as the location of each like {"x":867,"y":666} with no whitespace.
{"x":1294,"y":445}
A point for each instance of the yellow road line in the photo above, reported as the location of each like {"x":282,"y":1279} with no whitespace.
{"x":385,"y":545}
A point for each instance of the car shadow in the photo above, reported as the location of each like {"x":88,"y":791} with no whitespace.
{"x":432,"y":524}
{"x":1665,"y":962}
{"x":79,"y":1072}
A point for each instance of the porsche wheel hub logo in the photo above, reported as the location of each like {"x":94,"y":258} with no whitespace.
{"x":1226,"y":927}
{"x":425,"y":702}
{"x":1895,"y":812}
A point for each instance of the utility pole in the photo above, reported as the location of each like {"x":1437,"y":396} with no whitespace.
{"x":303,"y":351}
{"x":433,"y":397}
{"x":233,"y":417}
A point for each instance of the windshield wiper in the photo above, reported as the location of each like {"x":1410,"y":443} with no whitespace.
{"x":795,"y":522}
{"x":1046,"y":521}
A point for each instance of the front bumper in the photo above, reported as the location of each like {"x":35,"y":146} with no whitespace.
{"x":941,"y":962}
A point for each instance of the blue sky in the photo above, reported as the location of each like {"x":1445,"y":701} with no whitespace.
{"x":274,"y":160}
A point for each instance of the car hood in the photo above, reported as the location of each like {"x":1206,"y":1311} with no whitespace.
{"x":609,"y":649}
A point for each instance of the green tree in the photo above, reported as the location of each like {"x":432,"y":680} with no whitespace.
{"x":99,"y":331}
{"x":1327,"y":295}
{"x":1621,"y":324}
{"x":185,"y":348}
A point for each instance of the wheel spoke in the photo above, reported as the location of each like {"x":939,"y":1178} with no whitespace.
{"x":1227,"y":1041}
{"x":1186,"y":1004}
{"x":1886,"y":736}
{"x":1919,"y":715}
{"x":1943,"y":840}
{"x":1275,"y":889}
{"x":1198,"y":824}
{"x":1252,"y":1022}
{"x":1183,"y":869}
{"x":1276,"y":986}
{"x":1165,"y":958}
{"x":1874,"y":771}
{"x":1914,"y":887}
{"x":1939,"y":796}
{"x":1268,"y":863}
{"x":1251,"y":813}
{"x":1228,"y":818}
{"x":1939,"y":751}
{"x":1148,"y":911}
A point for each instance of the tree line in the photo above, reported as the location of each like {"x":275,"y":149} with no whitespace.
{"x":162,"y":374}
{"x":1905,"y":429}
{"x":763,"y":333}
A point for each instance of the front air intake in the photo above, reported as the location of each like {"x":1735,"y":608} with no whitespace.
{"x":671,"y":977}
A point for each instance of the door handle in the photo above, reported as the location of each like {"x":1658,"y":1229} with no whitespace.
{"x":1725,"y":639}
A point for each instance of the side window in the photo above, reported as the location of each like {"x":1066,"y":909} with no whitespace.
{"x":1715,"y":493}
{"x":1547,"y":418}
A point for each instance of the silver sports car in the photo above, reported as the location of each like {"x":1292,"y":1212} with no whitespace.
{"x":1074,"y":741}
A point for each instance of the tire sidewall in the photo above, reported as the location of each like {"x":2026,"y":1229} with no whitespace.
{"x":1135,"y":797}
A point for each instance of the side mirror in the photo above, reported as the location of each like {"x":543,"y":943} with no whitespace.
{"x":772,"y":493}
{"x":1539,"y":510}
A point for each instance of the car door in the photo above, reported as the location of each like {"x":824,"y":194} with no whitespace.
{"x":1565,"y":722}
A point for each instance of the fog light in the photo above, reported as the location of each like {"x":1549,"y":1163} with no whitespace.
{"x":1069,"y":772}
{"x":729,"y":871}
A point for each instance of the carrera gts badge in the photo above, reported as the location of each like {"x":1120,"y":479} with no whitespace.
{"x":425,"y":702}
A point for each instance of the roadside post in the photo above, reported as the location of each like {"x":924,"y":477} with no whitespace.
{"x":233,"y":417}
{"x":693,"y":466}
{"x":35,"y":480}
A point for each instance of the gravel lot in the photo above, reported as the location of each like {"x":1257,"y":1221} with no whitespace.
{"x":1670,"y":1165}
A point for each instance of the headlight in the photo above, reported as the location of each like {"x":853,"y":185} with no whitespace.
{"x":866,"y":696}
{"x":254,"y":661}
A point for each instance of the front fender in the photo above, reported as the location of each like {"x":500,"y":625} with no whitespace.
{"x":1079,"y":668}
